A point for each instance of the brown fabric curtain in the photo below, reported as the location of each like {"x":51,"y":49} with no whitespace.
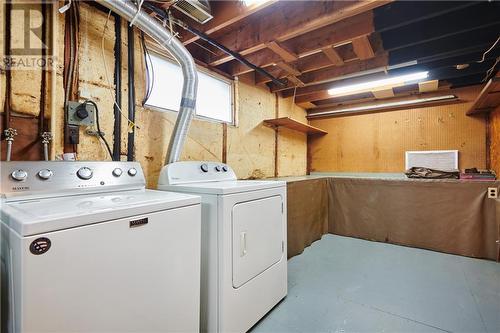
{"x":448,"y":216}
{"x":307,"y":209}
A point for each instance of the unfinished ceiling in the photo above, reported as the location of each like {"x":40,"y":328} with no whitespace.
{"x":312,"y":46}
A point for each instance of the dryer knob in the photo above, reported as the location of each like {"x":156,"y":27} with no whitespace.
{"x":19,"y":175}
{"x":132,"y":172}
{"x":204,"y":167}
{"x":224,"y":168}
{"x":45,"y":174}
{"x":117,"y":172}
{"x":85,"y":173}
{"x":218,"y":168}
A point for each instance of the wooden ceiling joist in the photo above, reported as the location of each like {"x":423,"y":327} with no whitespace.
{"x":309,"y":45}
{"x":225,"y":14}
{"x":287,"y":68}
{"x":363,"y":48}
{"x":333,"y":56}
{"x":337,"y":73}
{"x":300,"y":19}
{"x":283,"y":52}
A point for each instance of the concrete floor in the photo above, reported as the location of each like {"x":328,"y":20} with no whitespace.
{"x":342,"y":284}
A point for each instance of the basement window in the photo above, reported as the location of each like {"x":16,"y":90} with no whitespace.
{"x":215,"y":93}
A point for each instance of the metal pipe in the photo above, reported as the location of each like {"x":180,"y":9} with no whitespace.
{"x":9,"y":133}
{"x":46,"y":138}
{"x":155,"y":30}
{"x":117,"y":130}
{"x":213,"y":42}
{"x":131,"y":92}
{"x":9,"y":150}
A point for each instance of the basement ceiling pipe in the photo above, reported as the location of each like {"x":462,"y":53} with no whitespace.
{"x":155,"y":30}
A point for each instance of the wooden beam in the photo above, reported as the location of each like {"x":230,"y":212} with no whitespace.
{"x":333,"y":56}
{"x":488,"y":99}
{"x":351,"y":69}
{"x":289,"y":20}
{"x":296,"y":81}
{"x":283,"y":52}
{"x":288,"y":68}
{"x":225,"y":13}
{"x":363,"y":48}
{"x":309,"y":45}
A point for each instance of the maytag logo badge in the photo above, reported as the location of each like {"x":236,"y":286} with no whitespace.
{"x":20,"y":188}
{"x":138,"y":223}
{"x":40,"y":246}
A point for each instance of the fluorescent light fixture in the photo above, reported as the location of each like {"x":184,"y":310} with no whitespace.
{"x":374,"y":107}
{"x":372,"y":85}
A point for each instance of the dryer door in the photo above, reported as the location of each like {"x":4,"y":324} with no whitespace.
{"x":257,"y":228}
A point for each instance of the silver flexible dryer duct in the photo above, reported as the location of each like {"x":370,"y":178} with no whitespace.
{"x":155,"y":30}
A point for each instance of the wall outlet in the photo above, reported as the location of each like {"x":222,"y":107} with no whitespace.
{"x":492,"y":193}
{"x":72,"y":135}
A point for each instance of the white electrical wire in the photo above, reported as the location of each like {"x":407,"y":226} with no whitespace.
{"x":131,"y":124}
{"x":487,"y":51}
{"x":138,"y":11}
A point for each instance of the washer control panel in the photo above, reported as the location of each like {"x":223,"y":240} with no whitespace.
{"x":37,"y":178}
{"x":193,"y":172}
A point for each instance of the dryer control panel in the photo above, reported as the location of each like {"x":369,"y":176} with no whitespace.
{"x":58,"y":178}
{"x":195,"y":172}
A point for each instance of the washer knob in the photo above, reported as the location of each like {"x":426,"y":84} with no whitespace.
{"x":224,"y":168}
{"x":85,"y":173}
{"x":19,"y":175}
{"x":204,"y":167}
{"x":132,"y":172}
{"x":218,"y":168}
{"x":45,"y":174}
{"x":117,"y":172}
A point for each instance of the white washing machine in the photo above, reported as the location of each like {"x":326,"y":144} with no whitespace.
{"x":244,"y":263}
{"x":86,"y":248}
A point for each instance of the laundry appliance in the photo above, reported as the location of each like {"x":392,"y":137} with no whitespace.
{"x":244,"y":262}
{"x":86,"y":248}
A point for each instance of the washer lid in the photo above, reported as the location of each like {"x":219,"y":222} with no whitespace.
{"x":32,"y":217}
{"x":224,"y":187}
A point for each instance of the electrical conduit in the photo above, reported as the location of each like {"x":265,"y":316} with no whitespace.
{"x":155,"y":30}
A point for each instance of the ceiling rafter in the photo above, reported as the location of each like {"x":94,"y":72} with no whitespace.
{"x":333,"y":56}
{"x":363,"y":48}
{"x":286,"y":54}
{"x":300,"y":19}
{"x":310,"y":44}
{"x":337,"y":73}
{"x":225,"y":13}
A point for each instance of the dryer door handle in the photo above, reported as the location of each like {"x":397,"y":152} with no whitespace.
{"x":243,"y":243}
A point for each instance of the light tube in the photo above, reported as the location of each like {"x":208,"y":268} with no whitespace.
{"x":371,"y":85}
{"x":383,"y":106}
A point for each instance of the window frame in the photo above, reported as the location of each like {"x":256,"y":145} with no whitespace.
{"x":231,"y":82}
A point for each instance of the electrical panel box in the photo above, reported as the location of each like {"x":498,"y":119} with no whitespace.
{"x":80,"y":114}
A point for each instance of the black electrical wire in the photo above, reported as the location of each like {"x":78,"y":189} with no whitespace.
{"x":99,"y":127}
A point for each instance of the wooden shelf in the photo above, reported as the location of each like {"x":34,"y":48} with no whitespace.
{"x":294,"y":125}
{"x":488,"y":99}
